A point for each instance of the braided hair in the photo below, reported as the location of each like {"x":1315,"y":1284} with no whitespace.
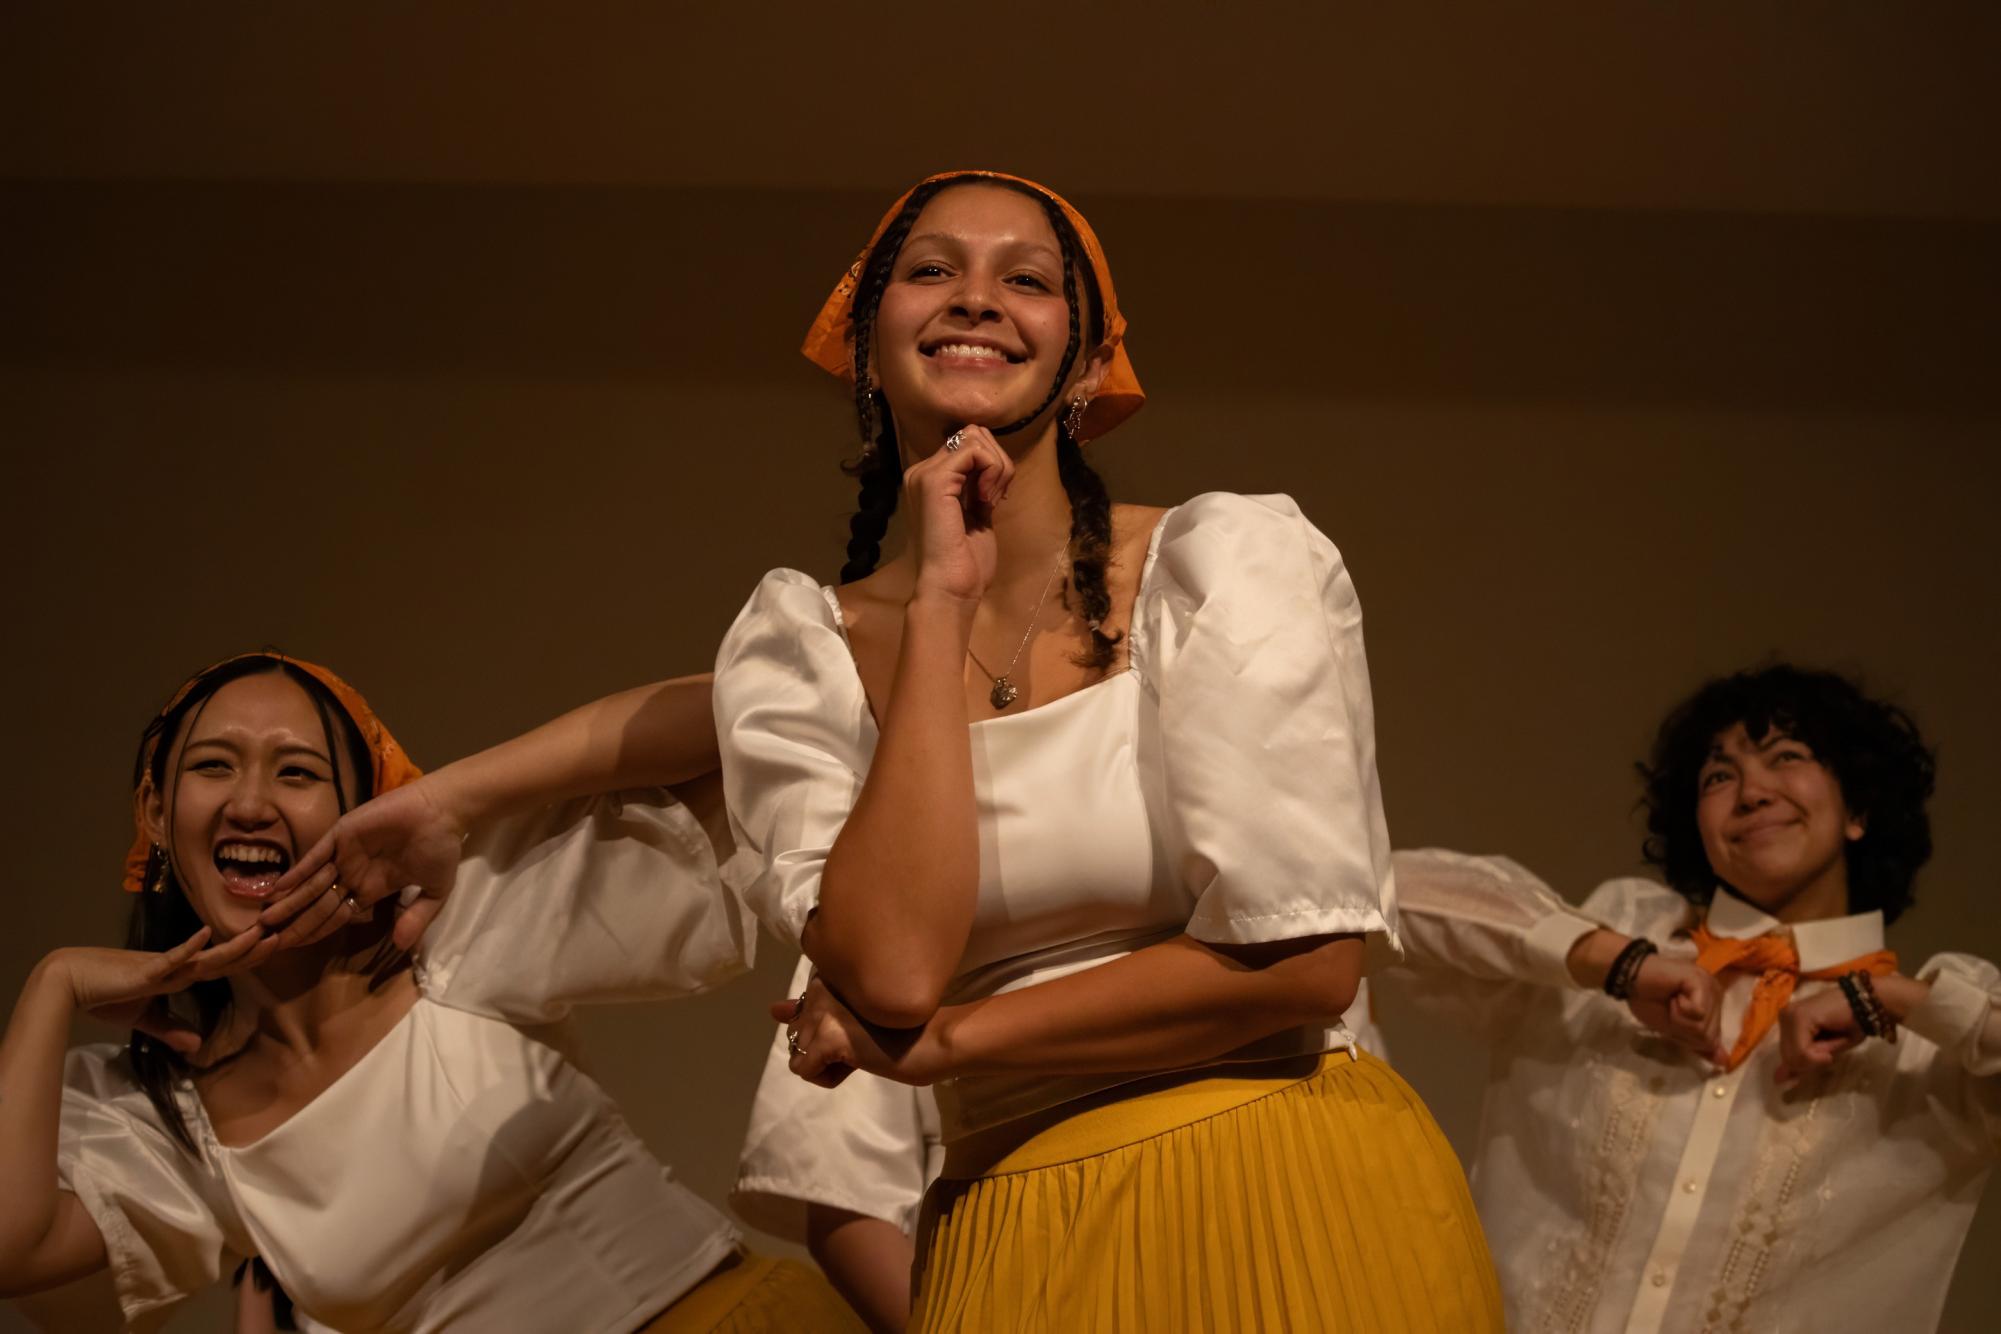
{"x":879,"y":468}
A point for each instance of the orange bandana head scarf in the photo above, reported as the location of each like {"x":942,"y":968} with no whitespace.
{"x":391,"y":767}
{"x":1118,"y":397}
{"x":1777,"y":964}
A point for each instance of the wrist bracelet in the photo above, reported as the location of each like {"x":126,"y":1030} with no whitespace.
{"x":1625,"y":968}
{"x":1870,"y":1014}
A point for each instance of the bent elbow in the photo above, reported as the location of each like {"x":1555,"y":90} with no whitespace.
{"x":898,"y":1002}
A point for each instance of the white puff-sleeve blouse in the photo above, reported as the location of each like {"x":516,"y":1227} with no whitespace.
{"x":464,"y":1173}
{"x":1225,"y":786}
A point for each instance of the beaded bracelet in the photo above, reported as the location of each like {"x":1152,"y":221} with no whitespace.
{"x":1870,"y":1014}
{"x":1625,"y":968}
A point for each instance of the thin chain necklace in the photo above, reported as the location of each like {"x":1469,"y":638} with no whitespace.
{"x":1005,"y":691}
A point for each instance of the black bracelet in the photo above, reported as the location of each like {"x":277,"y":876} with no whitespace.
{"x":1625,"y":968}
{"x":1870,"y":1015}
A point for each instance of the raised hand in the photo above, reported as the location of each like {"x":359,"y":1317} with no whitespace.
{"x":121,"y":987}
{"x":404,"y":838}
{"x":949,"y":498}
{"x":1682,"y":1003}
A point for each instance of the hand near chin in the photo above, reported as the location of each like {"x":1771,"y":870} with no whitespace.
{"x":829,"y":1043}
{"x":125,"y":987}
{"x":401,"y":839}
{"x":950,"y":498}
{"x":1683,"y":1003}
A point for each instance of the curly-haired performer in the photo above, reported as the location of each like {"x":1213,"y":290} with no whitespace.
{"x":1799,"y":1142}
{"x":1081,"y":798}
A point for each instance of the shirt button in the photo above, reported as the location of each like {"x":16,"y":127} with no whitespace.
{"x":1720,"y":1090}
{"x":1660,"y":1278}
{"x":1827,"y":1192}
{"x":1688,"y":1187}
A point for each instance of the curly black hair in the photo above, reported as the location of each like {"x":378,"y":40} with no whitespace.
{"x":1873,"y":748}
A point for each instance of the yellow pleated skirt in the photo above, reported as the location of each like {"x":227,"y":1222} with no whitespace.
{"x":757,"y":1294}
{"x":1316,"y":1197}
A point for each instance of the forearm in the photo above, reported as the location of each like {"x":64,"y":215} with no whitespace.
{"x":900,"y":884}
{"x":1173,"y":1004}
{"x":31,"y":1078}
{"x":652,"y":735}
{"x":1591,"y":958}
{"x":867,"y":1260}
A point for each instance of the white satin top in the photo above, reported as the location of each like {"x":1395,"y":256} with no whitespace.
{"x":464,"y":1173}
{"x":1224,"y":786}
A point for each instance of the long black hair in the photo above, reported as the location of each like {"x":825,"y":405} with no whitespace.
{"x":162,"y":917}
{"x":879,"y":468}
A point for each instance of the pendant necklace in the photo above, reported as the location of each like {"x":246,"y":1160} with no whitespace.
{"x":1005,"y":691}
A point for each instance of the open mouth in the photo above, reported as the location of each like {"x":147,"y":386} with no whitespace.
{"x":249,"y":870}
{"x":958,"y":353}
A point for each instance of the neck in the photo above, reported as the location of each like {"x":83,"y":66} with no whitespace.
{"x":1033,"y":523}
{"x":1817,"y":899}
{"x":294,"y":998}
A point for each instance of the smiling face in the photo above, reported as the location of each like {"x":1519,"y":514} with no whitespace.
{"x":249,"y":786}
{"x":973,"y":323}
{"x":1774,"y":824}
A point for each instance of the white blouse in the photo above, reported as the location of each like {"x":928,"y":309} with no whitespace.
{"x":1625,"y":1185}
{"x":464,"y":1173}
{"x":1224,"y":786}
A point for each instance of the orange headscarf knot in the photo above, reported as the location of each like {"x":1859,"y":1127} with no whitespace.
{"x":1119,"y":395}
{"x":392,"y":768}
{"x":1777,"y":964}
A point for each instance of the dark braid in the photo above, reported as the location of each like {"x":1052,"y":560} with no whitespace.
{"x":880,"y":469}
{"x":1090,"y":548}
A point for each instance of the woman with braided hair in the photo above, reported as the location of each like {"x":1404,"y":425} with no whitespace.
{"x":1073,"y":807}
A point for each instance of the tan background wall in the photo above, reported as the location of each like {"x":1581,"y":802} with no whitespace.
{"x":1588,"y":424}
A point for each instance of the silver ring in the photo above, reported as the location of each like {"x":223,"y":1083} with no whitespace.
{"x":954,"y":440}
{"x":792,"y":1042}
{"x":349,"y":904}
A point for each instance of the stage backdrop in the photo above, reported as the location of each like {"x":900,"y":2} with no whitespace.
{"x":492,"y":452}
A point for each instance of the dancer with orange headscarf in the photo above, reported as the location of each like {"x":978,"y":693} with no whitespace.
{"x":1073,"y":806}
{"x":401,"y":1139}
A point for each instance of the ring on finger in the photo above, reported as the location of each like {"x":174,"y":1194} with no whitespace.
{"x":349,"y":904}
{"x":954,"y":440}
{"x":792,"y":1042}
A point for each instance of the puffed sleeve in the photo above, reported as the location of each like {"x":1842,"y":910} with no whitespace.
{"x":1250,"y":636}
{"x":609,"y":898}
{"x":793,"y":721}
{"x":165,"y":1216}
{"x":868,"y":1145}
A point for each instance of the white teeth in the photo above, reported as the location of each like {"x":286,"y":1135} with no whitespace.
{"x":249,"y":852}
{"x":969,"y":350}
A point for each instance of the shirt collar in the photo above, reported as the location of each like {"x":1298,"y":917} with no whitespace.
{"x":1821,"y":944}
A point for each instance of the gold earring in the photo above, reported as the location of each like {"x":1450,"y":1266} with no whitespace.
{"x":159,"y":885}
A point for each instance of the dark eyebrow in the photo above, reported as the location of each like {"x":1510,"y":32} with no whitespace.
{"x":947,"y":238}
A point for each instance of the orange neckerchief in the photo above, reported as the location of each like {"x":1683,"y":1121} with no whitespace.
{"x":1777,"y":964}
{"x":392,"y":767}
{"x":1118,"y":397}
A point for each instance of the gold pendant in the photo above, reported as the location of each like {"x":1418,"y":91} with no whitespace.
{"x":1004,"y":693}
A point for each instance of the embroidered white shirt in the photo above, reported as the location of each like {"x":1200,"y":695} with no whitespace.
{"x":1625,"y":1185}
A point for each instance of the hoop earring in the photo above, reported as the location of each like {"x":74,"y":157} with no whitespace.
{"x":1075,"y":421}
